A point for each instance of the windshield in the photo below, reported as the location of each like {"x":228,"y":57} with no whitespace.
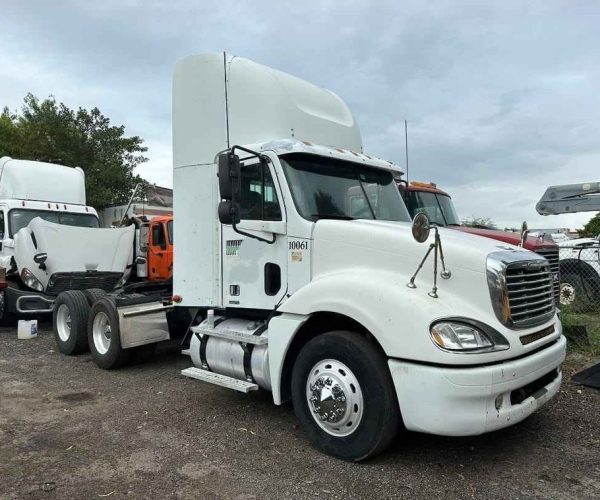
{"x":19,"y":218}
{"x":438,"y":207}
{"x":328,"y":188}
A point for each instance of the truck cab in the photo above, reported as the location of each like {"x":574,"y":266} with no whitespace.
{"x":49,"y":237}
{"x":154,"y":243}
{"x":426,"y":197}
{"x":305,"y":276}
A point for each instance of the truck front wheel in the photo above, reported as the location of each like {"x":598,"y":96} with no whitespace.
{"x":104,"y":335}
{"x":344,"y":397}
{"x":69,"y":322}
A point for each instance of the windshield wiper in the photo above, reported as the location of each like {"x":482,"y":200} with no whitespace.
{"x":332,"y":216}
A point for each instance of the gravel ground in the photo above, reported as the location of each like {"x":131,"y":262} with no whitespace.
{"x":71,"y":430}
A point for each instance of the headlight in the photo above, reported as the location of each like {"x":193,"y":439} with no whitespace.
{"x":466,"y":337}
{"x":30,"y":281}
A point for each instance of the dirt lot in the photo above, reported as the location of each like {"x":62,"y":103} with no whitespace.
{"x":71,"y":430}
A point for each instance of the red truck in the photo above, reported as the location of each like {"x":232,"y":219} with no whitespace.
{"x":438,"y":206}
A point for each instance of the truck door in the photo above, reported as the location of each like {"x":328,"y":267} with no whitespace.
{"x":160,"y":252}
{"x":255,"y":271}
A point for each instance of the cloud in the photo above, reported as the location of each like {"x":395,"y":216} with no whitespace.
{"x":501,"y":97}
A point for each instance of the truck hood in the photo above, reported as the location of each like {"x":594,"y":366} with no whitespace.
{"x":72,"y":249}
{"x":465,"y":251}
{"x":532,"y":243}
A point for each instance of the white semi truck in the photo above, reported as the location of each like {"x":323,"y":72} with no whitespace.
{"x":296,"y":255}
{"x":49,"y":238}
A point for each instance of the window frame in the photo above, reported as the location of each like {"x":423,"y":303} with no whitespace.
{"x":273,"y":184}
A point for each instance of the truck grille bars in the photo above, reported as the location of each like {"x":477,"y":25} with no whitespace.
{"x":61,"y":282}
{"x":530,"y":290}
{"x":551,"y":255}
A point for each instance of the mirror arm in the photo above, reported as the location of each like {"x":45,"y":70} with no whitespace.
{"x":264,"y":158}
{"x":252,"y":153}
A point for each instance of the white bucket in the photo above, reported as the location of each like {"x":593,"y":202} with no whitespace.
{"x":27,"y":329}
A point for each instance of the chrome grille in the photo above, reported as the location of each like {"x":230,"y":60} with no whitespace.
{"x":551,"y":255}
{"x":530,"y":290}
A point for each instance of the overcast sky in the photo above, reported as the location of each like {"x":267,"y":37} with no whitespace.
{"x":502,"y":98}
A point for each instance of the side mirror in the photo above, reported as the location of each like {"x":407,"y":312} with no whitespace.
{"x":421,"y":227}
{"x":229,"y":175}
{"x":40,"y":258}
{"x":229,"y":212}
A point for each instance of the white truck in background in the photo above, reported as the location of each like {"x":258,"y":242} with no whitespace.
{"x":49,"y":238}
{"x":296,"y":255}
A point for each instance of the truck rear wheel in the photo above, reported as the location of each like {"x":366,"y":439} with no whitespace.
{"x":69,"y":322}
{"x":104,"y":335}
{"x":344,"y":397}
{"x":93,"y":294}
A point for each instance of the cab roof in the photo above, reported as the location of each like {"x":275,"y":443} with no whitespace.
{"x":286,"y":146}
{"x":428,"y":187}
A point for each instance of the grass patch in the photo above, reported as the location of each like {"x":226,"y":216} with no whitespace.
{"x":582,"y":331}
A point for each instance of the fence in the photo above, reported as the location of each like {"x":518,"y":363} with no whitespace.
{"x":580,"y":294}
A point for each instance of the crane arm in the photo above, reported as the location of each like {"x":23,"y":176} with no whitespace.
{"x":570,"y":198}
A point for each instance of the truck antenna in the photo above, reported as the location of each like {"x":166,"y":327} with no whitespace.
{"x":406,"y":147}
{"x":226,"y":96}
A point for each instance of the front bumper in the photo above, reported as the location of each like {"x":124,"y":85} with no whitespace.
{"x":26,"y":302}
{"x":461,"y":401}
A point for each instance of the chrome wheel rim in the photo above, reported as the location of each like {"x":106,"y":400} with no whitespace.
{"x":101,"y":332}
{"x":334,"y":397}
{"x":567,"y":294}
{"x":63,"y":322}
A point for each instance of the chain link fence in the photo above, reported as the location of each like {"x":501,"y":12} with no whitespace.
{"x":580,"y":294}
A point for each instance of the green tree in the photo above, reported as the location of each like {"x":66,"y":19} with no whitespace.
{"x":51,"y":132}
{"x":592,"y":228}
{"x":479,"y":222}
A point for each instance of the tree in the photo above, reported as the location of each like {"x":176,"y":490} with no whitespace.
{"x":51,"y":132}
{"x":592,"y":228}
{"x":479,"y":222}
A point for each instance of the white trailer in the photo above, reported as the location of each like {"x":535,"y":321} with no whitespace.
{"x":305,"y":288}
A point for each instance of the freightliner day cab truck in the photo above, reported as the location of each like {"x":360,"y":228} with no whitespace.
{"x":302,"y":287}
{"x":437,"y":204}
{"x":49,"y":238}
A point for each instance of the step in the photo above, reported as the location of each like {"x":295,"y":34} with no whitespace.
{"x":222,"y":380}
{"x":234,"y":335}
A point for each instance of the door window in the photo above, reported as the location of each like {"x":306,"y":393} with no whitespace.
{"x":158,"y":236}
{"x":258,"y":197}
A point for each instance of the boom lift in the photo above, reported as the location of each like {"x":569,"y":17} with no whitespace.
{"x":570,"y":198}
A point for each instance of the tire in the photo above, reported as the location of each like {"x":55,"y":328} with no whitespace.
{"x":141,"y":354}
{"x":574,"y":293}
{"x":371,"y":415}
{"x":93,"y":294}
{"x":69,"y":322}
{"x":104,"y":335}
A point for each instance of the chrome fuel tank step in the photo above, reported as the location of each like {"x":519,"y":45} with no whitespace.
{"x":233,"y":347}
{"x":217,"y":379}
